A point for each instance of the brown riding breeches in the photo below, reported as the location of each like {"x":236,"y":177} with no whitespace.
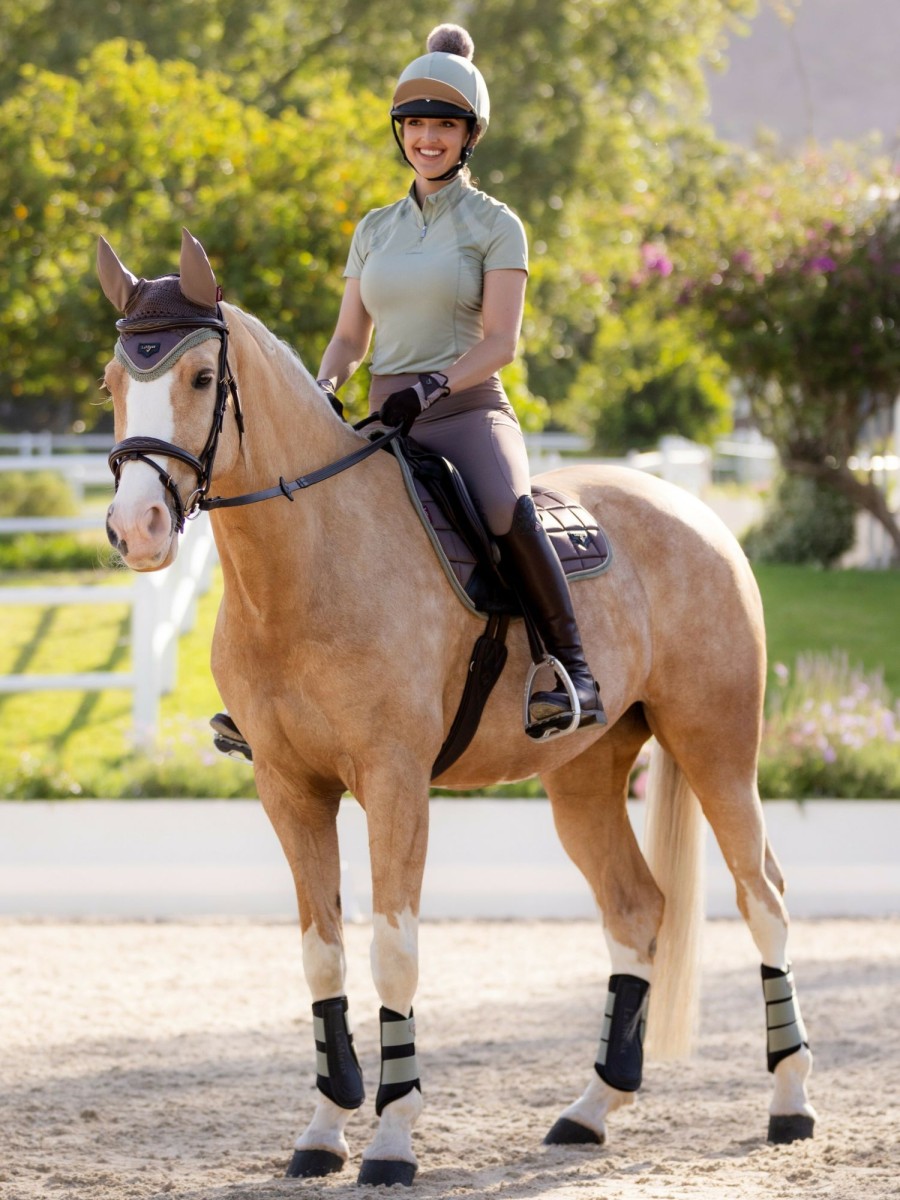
{"x":477,"y":430}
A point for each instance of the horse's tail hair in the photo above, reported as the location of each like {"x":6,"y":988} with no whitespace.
{"x":674,"y":839}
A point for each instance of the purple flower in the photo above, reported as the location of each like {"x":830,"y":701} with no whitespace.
{"x":656,"y":259}
{"x":823,"y":263}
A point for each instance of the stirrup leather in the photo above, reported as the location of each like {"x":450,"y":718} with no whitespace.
{"x":550,"y":727}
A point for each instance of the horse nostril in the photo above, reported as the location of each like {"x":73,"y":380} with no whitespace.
{"x":158,"y":521}
{"x":112,"y":536}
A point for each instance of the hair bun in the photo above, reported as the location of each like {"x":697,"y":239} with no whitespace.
{"x":450,"y":39}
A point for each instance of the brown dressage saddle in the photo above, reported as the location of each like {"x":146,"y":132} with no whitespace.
{"x":471,"y":562}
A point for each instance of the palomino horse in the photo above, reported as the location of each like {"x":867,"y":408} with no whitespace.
{"x":341,"y":651}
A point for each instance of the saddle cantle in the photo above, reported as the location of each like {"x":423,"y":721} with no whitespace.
{"x":463,"y":545}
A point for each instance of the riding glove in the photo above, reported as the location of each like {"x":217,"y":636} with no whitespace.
{"x":326,"y":386}
{"x":402,"y":408}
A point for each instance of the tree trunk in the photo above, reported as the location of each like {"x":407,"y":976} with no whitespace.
{"x":865,"y":495}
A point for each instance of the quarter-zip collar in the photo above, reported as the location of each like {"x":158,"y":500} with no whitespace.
{"x":435,"y":204}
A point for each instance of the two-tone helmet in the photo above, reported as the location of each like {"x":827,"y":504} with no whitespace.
{"x":444,"y":83}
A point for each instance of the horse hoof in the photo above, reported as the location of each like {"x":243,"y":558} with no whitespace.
{"x":385,"y":1172}
{"x":308,"y":1163}
{"x":791,"y":1127}
{"x":570,"y":1133}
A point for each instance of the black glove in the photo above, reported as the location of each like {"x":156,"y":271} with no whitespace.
{"x":402,"y":408}
{"x":326,"y":386}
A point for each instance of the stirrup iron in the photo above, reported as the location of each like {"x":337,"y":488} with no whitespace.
{"x":559,"y":726}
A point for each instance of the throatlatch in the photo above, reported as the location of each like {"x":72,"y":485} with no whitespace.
{"x":785,"y":1031}
{"x":338,"y":1074}
{"x":620,"y":1059}
{"x":399,"y":1065}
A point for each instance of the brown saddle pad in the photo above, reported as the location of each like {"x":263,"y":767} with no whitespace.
{"x":579,"y":541}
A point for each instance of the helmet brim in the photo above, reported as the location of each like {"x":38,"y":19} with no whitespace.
{"x":426,"y":107}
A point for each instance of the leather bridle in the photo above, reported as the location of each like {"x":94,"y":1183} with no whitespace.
{"x":140,"y":448}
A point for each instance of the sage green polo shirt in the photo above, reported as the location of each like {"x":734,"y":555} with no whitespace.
{"x":421,"y":273}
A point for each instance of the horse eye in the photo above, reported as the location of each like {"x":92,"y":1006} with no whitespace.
{"x":203,"y":379}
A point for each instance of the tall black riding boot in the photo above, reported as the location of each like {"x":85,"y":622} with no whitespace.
{"x":532,"y":566}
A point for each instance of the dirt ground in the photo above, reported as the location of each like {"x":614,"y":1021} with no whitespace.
{"x":175,"y":1060}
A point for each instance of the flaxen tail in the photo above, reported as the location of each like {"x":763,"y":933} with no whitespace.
{"x":674,"y":839}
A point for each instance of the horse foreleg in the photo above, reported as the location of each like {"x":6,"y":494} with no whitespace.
{"x":307,"y":831}
{"x":398,"y":836}
{"x":588,"y":798}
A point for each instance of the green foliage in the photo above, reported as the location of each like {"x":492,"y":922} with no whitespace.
{"x":831,"y":730}
{"x":647,"y":377}
{"x":36,"y":494}
{"x":264,"y":129}
{"x":53,"y":552}
{"x":807,"y":522}
{"x":268,"y":197}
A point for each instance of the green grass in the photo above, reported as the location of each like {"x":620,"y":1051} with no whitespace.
{"x":55,"y":743}
{"x":853,"y":612}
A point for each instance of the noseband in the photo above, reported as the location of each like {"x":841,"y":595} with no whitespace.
{"x":140,"y":448}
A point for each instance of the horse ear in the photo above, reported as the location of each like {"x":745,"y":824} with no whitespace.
{"x":118,"y":284}
{"x":198,"y":283}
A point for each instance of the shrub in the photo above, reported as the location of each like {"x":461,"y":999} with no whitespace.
{"x":53,"y":552}
{"x":36,"y":494}
{"x":831,"y":731}
{"x":808,"y":523}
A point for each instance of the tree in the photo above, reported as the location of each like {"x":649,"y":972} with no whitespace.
{"x":803,"y":302}
{"x":114,"y":153}
{"x":597,"y":108}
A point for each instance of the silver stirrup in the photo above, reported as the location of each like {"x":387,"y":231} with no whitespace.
{"x":540,"y":731}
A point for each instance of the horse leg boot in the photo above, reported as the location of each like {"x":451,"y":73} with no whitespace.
{"x":532,"y":566}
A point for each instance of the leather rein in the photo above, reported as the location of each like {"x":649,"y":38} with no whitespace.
{"x":140,"y":448}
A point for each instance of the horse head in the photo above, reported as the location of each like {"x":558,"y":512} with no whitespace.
{"x":169,"y":381}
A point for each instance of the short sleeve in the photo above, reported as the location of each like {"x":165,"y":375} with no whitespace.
{"x":358,"y":251}
{"x":507,"y":247}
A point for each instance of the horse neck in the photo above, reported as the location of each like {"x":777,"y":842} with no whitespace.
{"x":290,"y":430}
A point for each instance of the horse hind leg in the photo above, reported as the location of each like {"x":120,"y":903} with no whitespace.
{"x":588,"y":797}
{"x":722,"y":773}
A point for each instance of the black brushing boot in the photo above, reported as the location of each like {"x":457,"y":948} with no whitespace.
{"x":532,"y":567}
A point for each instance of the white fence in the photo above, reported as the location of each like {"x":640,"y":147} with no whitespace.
{"x":163,"y":606}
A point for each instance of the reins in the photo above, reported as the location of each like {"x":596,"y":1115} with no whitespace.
{"x":287,"y":488}
{"x":140,"y":448}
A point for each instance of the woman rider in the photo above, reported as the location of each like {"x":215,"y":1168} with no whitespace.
{"x":440,"y":278}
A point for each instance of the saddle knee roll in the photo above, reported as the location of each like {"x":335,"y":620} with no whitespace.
{"x":620,"y":1059}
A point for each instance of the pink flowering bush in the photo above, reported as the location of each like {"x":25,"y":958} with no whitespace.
{"x":830,"y":731}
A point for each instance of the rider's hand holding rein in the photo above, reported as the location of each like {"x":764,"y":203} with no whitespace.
{"x":402,"y":408}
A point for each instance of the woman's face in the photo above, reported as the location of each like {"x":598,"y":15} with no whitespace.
{"x":434,"y":144}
